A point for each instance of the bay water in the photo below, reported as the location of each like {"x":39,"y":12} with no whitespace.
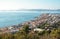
{"x":9,"y":18}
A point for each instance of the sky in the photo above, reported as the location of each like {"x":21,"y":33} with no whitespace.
{"x":29,"y":4}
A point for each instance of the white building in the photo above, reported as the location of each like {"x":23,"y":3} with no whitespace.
{"x":38,"y":29}
{"x":10,"y":27}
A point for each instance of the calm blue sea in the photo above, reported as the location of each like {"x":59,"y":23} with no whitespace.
{"x":13,"y":18}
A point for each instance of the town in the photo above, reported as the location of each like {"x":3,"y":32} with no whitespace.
{"x":50,"y":19}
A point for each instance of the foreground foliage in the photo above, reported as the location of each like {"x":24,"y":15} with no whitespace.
{"x":25,"y":33}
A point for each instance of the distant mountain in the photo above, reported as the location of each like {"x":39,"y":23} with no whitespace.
{"x":38,"y":9}
{"x":33,"y":10}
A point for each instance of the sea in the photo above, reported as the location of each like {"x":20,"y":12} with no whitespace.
{"x":9,"y":18}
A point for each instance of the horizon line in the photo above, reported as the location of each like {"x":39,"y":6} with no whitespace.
{"x":29,"y":9}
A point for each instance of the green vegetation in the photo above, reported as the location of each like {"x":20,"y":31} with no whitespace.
{"x":25,"y":33}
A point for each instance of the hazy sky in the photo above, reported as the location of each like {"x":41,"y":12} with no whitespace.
{"x":29,"y":4}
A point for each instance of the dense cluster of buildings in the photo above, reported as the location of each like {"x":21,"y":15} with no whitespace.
{"x":49,"y":18}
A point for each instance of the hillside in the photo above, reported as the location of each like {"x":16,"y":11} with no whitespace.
{"x":45,"y":26}
{"x":50,"y":19}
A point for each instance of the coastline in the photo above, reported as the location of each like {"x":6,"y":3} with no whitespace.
{"x":33,"y":23}
{"x":15,"y":28}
